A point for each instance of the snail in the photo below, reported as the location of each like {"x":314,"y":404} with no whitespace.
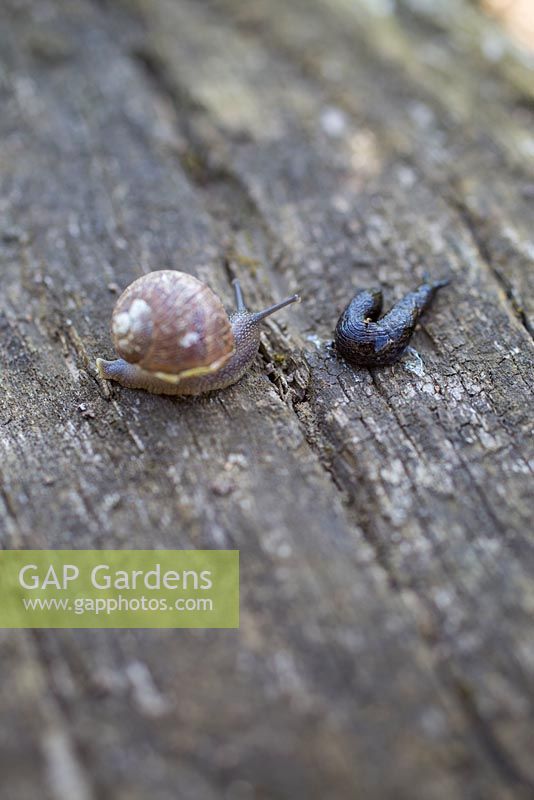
{"x":364,"y":340}
{"x":173,"y":336}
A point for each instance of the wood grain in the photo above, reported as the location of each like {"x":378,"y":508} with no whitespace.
{"x":383,"y":517}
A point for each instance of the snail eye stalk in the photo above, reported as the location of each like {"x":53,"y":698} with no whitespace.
{"x":259,"y":315}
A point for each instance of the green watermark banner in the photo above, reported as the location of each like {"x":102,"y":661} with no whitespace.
{"x":119,"y":589}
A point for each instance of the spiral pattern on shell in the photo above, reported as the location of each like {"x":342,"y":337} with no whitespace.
{"x":170,"y":322}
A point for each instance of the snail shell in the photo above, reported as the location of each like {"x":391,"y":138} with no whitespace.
{"x":172,"y":325}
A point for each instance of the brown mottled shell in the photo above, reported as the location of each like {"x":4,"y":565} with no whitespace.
{"x":171,"y":323}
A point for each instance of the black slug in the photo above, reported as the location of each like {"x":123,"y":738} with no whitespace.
{"x":364,"y":340}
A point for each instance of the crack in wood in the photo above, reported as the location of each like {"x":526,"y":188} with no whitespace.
{"x":473,"y":226}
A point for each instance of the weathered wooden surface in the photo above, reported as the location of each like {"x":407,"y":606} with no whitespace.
{"x":384,"y":518}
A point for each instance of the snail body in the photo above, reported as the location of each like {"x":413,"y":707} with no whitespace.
{"x":365,"y":340}
{"x":174,"y":337}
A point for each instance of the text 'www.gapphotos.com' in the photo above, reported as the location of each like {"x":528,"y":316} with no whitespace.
{"x":111,"y":605}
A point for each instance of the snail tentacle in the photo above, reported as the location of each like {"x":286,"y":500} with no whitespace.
{"x":239,"y":299}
